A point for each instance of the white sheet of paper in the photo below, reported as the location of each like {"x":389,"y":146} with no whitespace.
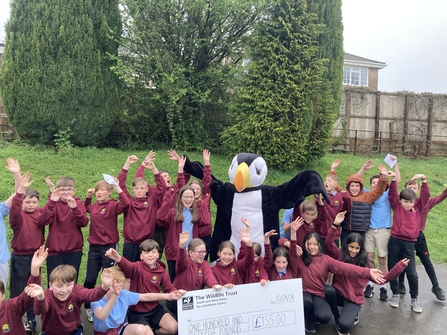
{"x":244,"y":309}
{"x":389,"y":161}
{"x":108,"y":178}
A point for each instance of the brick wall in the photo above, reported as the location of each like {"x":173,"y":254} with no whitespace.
{"x":373,"y":79}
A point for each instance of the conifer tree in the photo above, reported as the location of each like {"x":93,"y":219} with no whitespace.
{"x":278,"y":95}
{"x":56,"y":69}
{"x":330,"y":43}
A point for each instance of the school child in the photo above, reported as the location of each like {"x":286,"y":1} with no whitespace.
{"x":192,"y":270}
{"x":12,"y":166}
{"x":357,"y":203}
{"x":139,"y":216}
{"x":202,"y":193}
{"x":146,"y":276}
{"x":184,"y":216}
{"x":284,"y":228}
{"x":378,"y":233}
{"x":313,"y":268}
{"x":60,"y":305}
{"x":65,"y":239}
{"x":27,"y":223}
{"x":347,"y":292}
{"x":103,"y":233}
{"x":404,"y":233}
{"x":282,"y":264}
{"x":110,"y":312}
{"x":308,"y":211}
{"x":227,"y":270}
{"x":256,"y":273}
{"x":161,"y":233}
{"x":12,"y":310}
{"x":421,"y":243}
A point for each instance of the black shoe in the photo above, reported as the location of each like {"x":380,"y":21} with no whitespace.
{"x":30,"y":327}
{"x":402,"y":289}
{"x":439,"y":293}
{"x":310,"y":328}
{"x":383,"y":294}
{"x":339,"y":332}
{"x":369,"y":291}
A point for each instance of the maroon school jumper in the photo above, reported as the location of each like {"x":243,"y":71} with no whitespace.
{"x":28,"y":227}
{"x":256,"y":271}
{"x":64,"y":317}
{"x":314,"y":276}
{"x":12,"y":310}
{"x":331,"y":211}
{"x":291,"y":270}
{"x":406,"y":224}
{"x":104,"y":219}
{"x":234,"y":272}
{"x":65,"y":235}
{"x":139,"y":217}
{"x":144,"y":279}
{"x":165,"y":220}
{"x":176,"y":187}
{"x":190,"y":275}
{"x":351,"y":288}
{"x":432,"y":202}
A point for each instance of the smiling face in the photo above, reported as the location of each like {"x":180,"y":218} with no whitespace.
{"x":30,"y":204}
{"x":407,"y":204}
{"x":354,"y":188}
{"x":226,"y":256}
{"x":140,"y":189}
{"x":198,"y":254}
{"x":309,"y":216}
{"x":280,"y":263}
{"x":197,"y":190}
{"x":312,"y":246}
{"x":62,"y":290}
{"x":353,"y":249}
{"x":149,"y":257}
{"x":187,"y":198}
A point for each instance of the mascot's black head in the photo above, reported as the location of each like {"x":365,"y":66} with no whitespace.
{"x":247,"y":170}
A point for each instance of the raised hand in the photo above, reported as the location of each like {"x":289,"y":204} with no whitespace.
{"x":148,"y":164}
{"x":49,"y":183}
{"x":368,"y":165}
{"x":335,"y":164}
{"x":113,"y":255}
{"x":268,"y":234}
{"x":419,"y":176}
{"x":12,"y":165}
{"x":132,"y":159}
{"x":39,"y":257}
{"x":181,"y":163}
{"x":25,"y":181}
{"x":246,"y":223}
{"x":206,"y":157}
{"x":34,"y":291}
{"x":90,"y":192}
{"x":116,"y":287}
{"x":173,"y":155}
{"x":244,"y":235}
{"x":339,"y":218}
{"x":296,"y":224}
{"x":383,"y":171}
{"x":150,"y":156}
{"x":55,"y":195}
{"x":106,"y":278}
{"x":184,"y":238}
{"x":71,"y":202}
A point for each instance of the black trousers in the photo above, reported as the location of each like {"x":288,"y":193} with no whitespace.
{"x":423,"y":254}
{"x":397,"y":250}
{"x":19,"y":274}
{"x":346,"y":319}
{"x":316,"y":309}
{"x":71,"y":258}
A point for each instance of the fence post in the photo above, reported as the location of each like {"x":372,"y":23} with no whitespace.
{"x":355,"y":142}
{"x":429,"y":126}
{"x":380,"y":142}
{"x":377,"y":121}
{"x":406,"y":112}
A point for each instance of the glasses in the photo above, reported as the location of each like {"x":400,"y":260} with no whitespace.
{"x":66,"y":190}
{"x":200,"y":252}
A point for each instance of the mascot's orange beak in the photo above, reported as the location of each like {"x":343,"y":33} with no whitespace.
{"x":242,"y":177}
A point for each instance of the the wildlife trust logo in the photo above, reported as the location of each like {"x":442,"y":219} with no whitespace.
{"x":187,"y":303}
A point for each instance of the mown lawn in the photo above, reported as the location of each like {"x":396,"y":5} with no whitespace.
{"x":86,"y":166}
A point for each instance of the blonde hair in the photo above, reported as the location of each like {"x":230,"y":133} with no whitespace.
{"x":103,"y":184}
{"x":65,"y":181}
{"x":307,"y":206}
{"x":63,"y":273}
{"x":118,"y":274}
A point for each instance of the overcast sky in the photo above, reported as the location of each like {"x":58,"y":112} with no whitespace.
{"x":409,"y":35}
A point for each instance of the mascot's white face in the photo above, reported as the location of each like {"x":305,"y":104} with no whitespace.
{"x":247,"y":170}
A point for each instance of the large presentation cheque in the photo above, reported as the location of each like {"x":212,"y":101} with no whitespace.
{"x":245,"y":309}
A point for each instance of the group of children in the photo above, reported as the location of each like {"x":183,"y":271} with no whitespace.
{"x":176,"y":219}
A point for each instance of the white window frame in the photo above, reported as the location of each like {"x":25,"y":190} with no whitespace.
{"x":351,"y":72}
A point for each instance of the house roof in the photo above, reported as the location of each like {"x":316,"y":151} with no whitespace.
{"x":354,"y":60}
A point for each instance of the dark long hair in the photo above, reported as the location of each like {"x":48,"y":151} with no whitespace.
{"x":360,"y":259}
{"x":307,"y":258}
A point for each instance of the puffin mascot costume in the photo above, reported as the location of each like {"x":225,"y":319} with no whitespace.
{"x":246,"y":196}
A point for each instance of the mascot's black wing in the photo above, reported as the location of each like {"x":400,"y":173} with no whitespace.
{"x":299,"y":187}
